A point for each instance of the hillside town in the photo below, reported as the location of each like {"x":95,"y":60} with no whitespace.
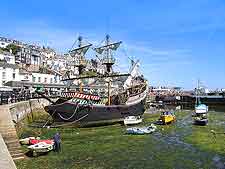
{"x":25,"y":67}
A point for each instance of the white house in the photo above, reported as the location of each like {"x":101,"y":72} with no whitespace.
{"x":48,"y":53}
{"x":58,"y":64}
{"x":3,"y":44}
{"x":8,"y":72}
{"x":7,"y":57}
{"x":45,"y":78}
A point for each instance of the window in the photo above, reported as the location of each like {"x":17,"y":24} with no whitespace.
{"x":36,"y":60}
{"x":45,"y":79}
{"x":14,"y":75}
{"x":3,"y":75}
{"x":33,"y":79}
{"x":39,"y":79}
{"x":55,"y":78}
{"x":26,"y":77}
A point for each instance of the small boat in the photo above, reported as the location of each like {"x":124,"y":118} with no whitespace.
{"x":26,"y":141}
{"x":200,"y":114}
{"x":129,"y":120}
{"x":201,"y":110}
{"x":167,"y":117}
{"x":41,"y":147}
{"x":35,"y":141}
{"x":141,"y":130}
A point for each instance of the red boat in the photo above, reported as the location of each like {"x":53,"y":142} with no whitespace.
{"x":35,"y":141}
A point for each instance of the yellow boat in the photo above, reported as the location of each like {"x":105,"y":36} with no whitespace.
{"x":167,"y":117}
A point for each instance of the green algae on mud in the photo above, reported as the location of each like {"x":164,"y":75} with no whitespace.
{"x":210,"y":138}
{"x":178,"y":145}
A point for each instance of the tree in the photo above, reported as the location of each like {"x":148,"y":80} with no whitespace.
{"x":13,"y":47}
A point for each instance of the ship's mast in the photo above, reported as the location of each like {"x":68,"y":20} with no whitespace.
{"x":81,"y":62}
{"x":197,"y":92}
{"x":106,"y":51}
{"x":108,"y":60}
{"x":78,"y":55}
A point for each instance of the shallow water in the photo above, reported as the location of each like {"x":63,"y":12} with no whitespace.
{"x":177,"y":139}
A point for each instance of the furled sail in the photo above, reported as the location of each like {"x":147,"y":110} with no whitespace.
{"x":112,"y":46}
{"x":80,"y":51}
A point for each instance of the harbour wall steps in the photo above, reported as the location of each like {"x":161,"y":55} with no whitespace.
{"x":6,"y":161}
{"x":9,"y":116}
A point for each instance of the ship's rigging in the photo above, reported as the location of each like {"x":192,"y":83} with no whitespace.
{"x":122,"y":96}
{"x":104,"y":53}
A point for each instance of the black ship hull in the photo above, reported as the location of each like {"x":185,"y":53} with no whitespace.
{"x":69,"y":111}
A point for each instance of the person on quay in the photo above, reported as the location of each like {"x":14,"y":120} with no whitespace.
{"x":57,"y":142}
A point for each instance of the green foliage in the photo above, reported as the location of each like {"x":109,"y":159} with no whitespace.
{"x":13,"y":47}
{"x":178,"y":145}
{"x":3,"y":49}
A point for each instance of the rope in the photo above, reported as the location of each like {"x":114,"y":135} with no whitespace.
{"x":48,"y":119}
{"x":66,"y":124}
{"x":66,"y":119}
{"x":75,"y":111}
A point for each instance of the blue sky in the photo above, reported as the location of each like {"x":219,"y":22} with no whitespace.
{"x":177,"y":41}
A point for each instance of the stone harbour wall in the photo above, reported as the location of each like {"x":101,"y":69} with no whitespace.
{"x":20,"y":110}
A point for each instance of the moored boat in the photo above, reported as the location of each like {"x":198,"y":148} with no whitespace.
{"x":167,"y":117}
{"x":40,"y":147}
{"x":141,"y":130}
{"x":130,"y":120}
{"x":201,"y":110}
{"x":26,"y":141}
{"x":36,"y":141}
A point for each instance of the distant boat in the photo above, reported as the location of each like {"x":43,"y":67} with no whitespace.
{"x":129,"y":120}
{"x":201,"y":110}
{"x":167,"y":117}
{"x":200,"y":115}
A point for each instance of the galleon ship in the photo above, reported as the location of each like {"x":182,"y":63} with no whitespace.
{"x":125,"y":93}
